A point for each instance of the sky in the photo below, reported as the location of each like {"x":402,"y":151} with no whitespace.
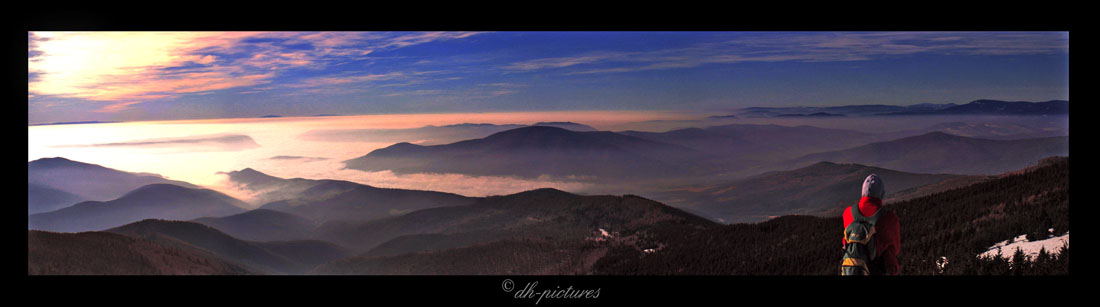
{"x":140,"y":76}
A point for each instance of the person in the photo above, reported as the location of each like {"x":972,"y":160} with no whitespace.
{"x":887,"y":229}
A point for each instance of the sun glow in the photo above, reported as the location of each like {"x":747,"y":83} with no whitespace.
{"x":129,"y":67}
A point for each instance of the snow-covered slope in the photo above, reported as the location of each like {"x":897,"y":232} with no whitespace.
{"x":1053,"y":245}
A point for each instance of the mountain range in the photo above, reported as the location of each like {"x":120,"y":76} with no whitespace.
{"x":547,"y":231}
{"x":976,"y":107}
{"x":787,"y":245}
{"x":262,"y":225}
{"x":849,"y":110}
{"x":758,"y":142}
{"x":939,"y":152}
{"x":821,"y":189}
{"x":537,"y":151}
{"x":427,"y":135}
{"x":996,"y":107}
{"x":41,"y":198}
{"x":537,"y":213}
{"x":278,"y":257}
{"x":54,"y":183}
{"x":983,"y":130}
{"x":104,"y":253}
{"x":955,"y":224}
{"x":505,"y":223}
{"x":324,"y":200}
{"x":717,"y":152}
{"x":162,"y":201}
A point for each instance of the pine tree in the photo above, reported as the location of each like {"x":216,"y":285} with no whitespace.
{"x":1041,"y":229}
{"x":1042,"y":263}
{"x":1019,"y":262}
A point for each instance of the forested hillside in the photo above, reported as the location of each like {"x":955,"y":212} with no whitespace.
{"x":957,"y":224}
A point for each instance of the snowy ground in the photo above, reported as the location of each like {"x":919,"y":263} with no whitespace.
{"x":1031,"y":249}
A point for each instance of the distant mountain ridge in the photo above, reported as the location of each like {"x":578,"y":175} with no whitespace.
{"x":532,"y":152}
{"x":548,"y":231}
{"x":430,"y":134}
{"x":163,"y":201}
{"x":759,"y":142}
{"x":323,"y":200}
{"x":818,"y":114}
{"x":997,"y":107}
{"x":939,"y":152}
{"x":850,"y":110}
{"x":976,"y":107}
{"x":41,"y":198}
{"x":568,"y":126}
{"x":535,"y":213}
{"x":56,"y":182}
{"x":956,"y":224}
{"x":818,"y":189}
{"x":983,"y":130}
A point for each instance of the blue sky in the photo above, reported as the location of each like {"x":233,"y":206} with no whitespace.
{"x":128,"y":76}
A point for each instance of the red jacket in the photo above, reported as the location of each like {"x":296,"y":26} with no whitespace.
{"x":887,"y":232}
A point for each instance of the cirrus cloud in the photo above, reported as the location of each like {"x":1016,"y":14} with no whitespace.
{"x":123,"y":69}
{"x":802,"y":47}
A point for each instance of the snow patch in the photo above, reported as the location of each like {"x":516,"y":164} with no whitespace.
{"x":1053,"y":245}
{"x":605,"y":233}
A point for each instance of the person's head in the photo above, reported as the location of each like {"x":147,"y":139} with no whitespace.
{"x":873,"y":187}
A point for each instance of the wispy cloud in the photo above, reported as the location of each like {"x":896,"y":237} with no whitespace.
{"x":415,"y":93}
{"x":350,"y":79}
{"x":801,"y":47}
{"x":560,"y":62}
{"x":221,"y":141}
{"x":405,"y":40}
{"x":298,"y":158}
{"x":129,"y":68}
{"x":124,"y":69}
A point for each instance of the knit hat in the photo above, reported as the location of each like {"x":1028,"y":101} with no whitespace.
{"x":873,"y":187}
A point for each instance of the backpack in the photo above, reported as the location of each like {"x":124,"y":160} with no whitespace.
{"x":859,"y":251}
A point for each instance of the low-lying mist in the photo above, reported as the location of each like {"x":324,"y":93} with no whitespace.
{"x":299,"y":148}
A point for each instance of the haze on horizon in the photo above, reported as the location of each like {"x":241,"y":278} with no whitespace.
{"x":145,"y":76}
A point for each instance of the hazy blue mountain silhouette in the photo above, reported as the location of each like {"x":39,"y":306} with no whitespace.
{"x":997,"y":107}
{"x":41,"y":198}
{"x":976,"y":107}
{"x":983,"y":130}
{"x":536,"y":151}
{"x":161,"y":201}
{"x":849,"y":110}
{"x":53,"y":182}
{"x":759,"y":142}
{"x":323,"y":200}
{"x":336,"y":200}
{"x":939,"y":152}
{"x":427,"y":135}
{"x":818,"y":189}
{"x":568,"y":126}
